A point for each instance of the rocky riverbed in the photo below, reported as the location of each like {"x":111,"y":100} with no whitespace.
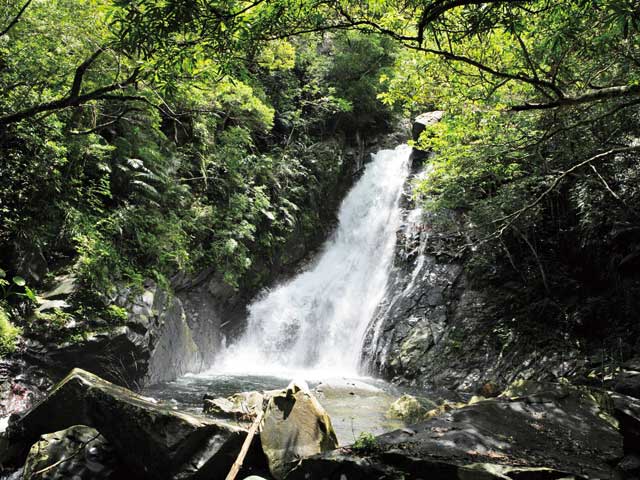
{"x":93,"y":429}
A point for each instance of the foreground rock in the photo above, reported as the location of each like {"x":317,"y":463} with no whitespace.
{"x":295,"y":426}
{"x":627,"y":411}
{"x":152,"y":441}
{"x":551,"y":434}
{"x":79,"y":452}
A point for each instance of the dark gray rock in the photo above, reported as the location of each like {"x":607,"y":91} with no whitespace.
{"x":549,"y":435}
{"x":155,"y":343}
{"x":627,"y":412}
{"x":628,"y":383}
{"x":78,"y":453}
{"x":152,"y":441}
{"x":434,"y":328}
{"x":212,"y":308}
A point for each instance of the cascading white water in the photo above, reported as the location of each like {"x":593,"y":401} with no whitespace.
{"x":317,"y":321}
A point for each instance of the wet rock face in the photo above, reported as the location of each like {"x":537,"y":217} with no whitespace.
{"x":154,"y":344}
{"x":424,"y":294}
{"x":434,"y":328}
{"x":78,"y":453}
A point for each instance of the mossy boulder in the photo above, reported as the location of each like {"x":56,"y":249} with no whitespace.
{"x":410,"y":409}
{"x":295,"y":426}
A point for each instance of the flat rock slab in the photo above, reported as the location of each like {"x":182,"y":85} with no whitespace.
{"x":540,"y":436}
{"x":153,"y":441}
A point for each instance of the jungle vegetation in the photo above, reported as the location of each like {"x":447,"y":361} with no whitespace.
{"x":141,"y":138}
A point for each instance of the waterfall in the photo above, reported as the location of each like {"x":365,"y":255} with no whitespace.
{"x":318,"y":320}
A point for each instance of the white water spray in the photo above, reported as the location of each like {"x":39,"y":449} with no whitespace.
{"x":317,"y":321}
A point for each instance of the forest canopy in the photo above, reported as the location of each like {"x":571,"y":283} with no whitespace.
{"x":142,"y":138}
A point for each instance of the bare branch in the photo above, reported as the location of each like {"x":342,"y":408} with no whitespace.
{"x":512,"y":217}
{"x":16,"y":18}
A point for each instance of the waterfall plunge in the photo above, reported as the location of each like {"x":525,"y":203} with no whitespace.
{"x":317,"y":321}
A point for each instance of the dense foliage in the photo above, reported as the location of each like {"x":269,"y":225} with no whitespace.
{"x":132,"y":152}
{"x":143,"y":138}
{"x":537,"y":152}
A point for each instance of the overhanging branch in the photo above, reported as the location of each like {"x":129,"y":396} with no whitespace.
{"x":606,"y":93}
{"x":513,"y":217}
{"x":68,"y":101}
{"x":16,"y":18}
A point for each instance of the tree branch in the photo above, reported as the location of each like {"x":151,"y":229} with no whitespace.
{"x":68,"y":101}
{"x":536,"y":83}
{"x":81,"y":70}
{"x":593,"y":96}
{"x":438,"y":8}
{"x":512,"y":217}
{"x":102,"y":126}
{"x":16,"y":18}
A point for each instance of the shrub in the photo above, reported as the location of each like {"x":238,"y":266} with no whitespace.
{"x":8,"y":334}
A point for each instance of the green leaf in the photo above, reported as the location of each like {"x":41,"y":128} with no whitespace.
{"x":268,"y":214}
{"x":30,"y":294}
{"x":19,"y":281}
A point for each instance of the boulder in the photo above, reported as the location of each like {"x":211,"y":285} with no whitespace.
{"x":420,"y":123}
{"x":627,"y":381}
{"x":548,"y":435}
{"x":151,"y":440}
{"x":410,"y":409}
{"x":155,"y":339}
{"x":240,"y":406}
{"x":79,"y":452}
{"x":627,"y":411}
{"x":423,"y":121}
{"x":340,"y":465}
{"x":295,"y":426}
